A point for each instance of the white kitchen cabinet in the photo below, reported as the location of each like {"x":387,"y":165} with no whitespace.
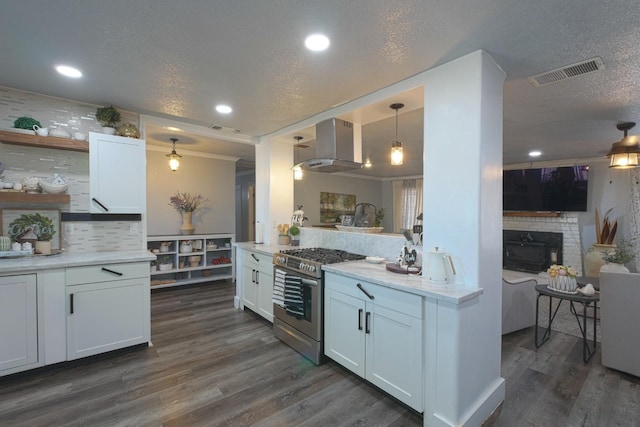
{"x":376,"y":332}
{"x":108,"y":307}
{"x":211,"y":257}
{"x":257,"y":283}
{"x":19,"y":325}
{"x":117,"y":174}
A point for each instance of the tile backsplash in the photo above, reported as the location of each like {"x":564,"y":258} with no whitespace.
{"x":20,"y":162}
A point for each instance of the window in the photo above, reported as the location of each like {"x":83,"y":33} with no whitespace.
{"x":407,"y":204}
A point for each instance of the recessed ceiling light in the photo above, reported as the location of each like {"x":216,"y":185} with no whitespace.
{"x":67,"y":71}
{"x":173,"y":129}
{"x":535,"y":153}
{"x":223,"y":109}
{"x":317,"y":42}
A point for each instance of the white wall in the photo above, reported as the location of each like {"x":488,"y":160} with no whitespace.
{"x":212,"y":178}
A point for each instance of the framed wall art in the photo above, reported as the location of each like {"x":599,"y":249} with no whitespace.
{"x":332,"y":205}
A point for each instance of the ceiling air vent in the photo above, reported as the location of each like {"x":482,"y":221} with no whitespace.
{"x":567,"y":72}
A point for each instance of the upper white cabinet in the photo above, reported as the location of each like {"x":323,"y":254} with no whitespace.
{"x":19,"y":326}
{"x":117,"y":174}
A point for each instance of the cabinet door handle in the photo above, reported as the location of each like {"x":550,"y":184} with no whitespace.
{"x":360,"y":319}
{"x":70,"y":303}
{"x":255,"y":257}
{"x":112,"y":271}
{"x":365,"y":291}
{"x":257,"y":277}
{"x":100,"y":204}
{"x":367,"y":323}
{"x":253,"y":276}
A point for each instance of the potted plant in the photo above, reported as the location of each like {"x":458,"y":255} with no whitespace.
{"x":154,"y":265}
{"x":283,"y":234}
{"x":108,"y":117}
{"x":25,"y":122}
{"x":165,"y":263}
{"x":294,"y":231}
{"x":38,"y":224}
{"x":379,"y":217}
{"x":617,"y":258}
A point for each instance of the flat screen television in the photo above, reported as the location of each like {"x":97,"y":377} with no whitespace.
{"x":559,"y":189}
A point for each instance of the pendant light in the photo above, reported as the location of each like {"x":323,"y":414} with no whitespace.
{"x":174,"y":158}
{"x":625,"y":153}
{"x":396,"y":146}
{"x":297,"y":170}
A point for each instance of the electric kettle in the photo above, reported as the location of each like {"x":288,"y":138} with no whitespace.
{"x":440,"y":267}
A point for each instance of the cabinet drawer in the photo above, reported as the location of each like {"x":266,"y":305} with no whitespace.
{"x":392,"y":299}
{"x":259,"y":260}
{"x":106,"y":272}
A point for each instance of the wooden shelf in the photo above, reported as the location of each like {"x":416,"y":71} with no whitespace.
{"x":44,"y":141}
{"x":20,"y":197}
{"x":537,"y":214}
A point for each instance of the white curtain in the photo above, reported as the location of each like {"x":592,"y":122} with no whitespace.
{"x":634,"y":185}
{"x":407,"y":203}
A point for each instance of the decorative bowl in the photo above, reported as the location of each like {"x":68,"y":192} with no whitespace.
{"x":53,"y":188}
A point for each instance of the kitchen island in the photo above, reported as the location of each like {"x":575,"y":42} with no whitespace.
{"x":71,"y":305}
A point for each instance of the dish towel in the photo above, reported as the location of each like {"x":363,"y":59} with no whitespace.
{"x":278,"y":288}
{"x":293,"y":301}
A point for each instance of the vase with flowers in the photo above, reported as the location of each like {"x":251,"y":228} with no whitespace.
{"x":562,"y":278}
{"x":605,"y":233}
{"x":186,"y":204}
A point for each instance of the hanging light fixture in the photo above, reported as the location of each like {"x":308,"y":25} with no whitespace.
{"x":396,"y":146}
{"x":624,"y":154}
{"x":174,"y":158}
{"x":297,"y":170}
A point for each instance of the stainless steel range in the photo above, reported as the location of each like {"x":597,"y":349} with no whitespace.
{"x":298,"y":290}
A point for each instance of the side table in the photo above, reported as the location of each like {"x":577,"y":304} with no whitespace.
{"x":584,"y":300}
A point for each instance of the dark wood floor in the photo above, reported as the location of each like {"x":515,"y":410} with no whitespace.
{"x":212,"y":365}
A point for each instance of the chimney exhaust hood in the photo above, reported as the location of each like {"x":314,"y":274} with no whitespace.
{"x":336,"y":148}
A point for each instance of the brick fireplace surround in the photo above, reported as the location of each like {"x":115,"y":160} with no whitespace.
{"x":565,"y":223}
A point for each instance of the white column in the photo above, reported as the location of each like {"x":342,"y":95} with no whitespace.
{"x":463,"y":216}
{"x":274,"y":186}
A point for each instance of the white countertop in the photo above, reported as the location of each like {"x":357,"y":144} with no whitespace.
{"x":63,"y":260}
{"x":263,"y":248}
{"x":378,"y":274}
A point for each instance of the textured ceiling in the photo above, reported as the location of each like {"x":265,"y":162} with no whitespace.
{"x":177,"y":60}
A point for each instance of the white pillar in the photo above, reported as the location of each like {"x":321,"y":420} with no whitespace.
{"x":463,"y":216}
{"x":274,"y":186}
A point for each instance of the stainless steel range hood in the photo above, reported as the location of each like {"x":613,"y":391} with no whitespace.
{"x":336,"y":148}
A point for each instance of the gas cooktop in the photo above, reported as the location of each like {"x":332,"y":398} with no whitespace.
{"x":323,"y":255}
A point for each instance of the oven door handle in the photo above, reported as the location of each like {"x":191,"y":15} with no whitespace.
{"x":360,"y":319}
{"x":365,"y":291}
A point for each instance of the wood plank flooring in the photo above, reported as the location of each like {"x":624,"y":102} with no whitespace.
{"x":212,"y":365}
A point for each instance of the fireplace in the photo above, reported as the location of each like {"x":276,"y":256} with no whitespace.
{"x":530,"y":251}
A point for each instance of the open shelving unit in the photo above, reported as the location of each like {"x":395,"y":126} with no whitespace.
{"x":211,"y":258}
{"x":43,"y":141}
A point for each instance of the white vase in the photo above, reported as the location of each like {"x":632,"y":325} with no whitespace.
{"x":108,"y":130}
{"x":612,"y":267}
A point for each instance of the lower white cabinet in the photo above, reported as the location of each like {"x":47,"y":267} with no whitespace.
{"x":257,"y":283}
{"x":376,"y":332}
{"x":19,"y":326}
{"x":108,"y":309}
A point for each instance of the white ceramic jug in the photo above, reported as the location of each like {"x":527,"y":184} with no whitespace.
{"x":440,"y":267}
